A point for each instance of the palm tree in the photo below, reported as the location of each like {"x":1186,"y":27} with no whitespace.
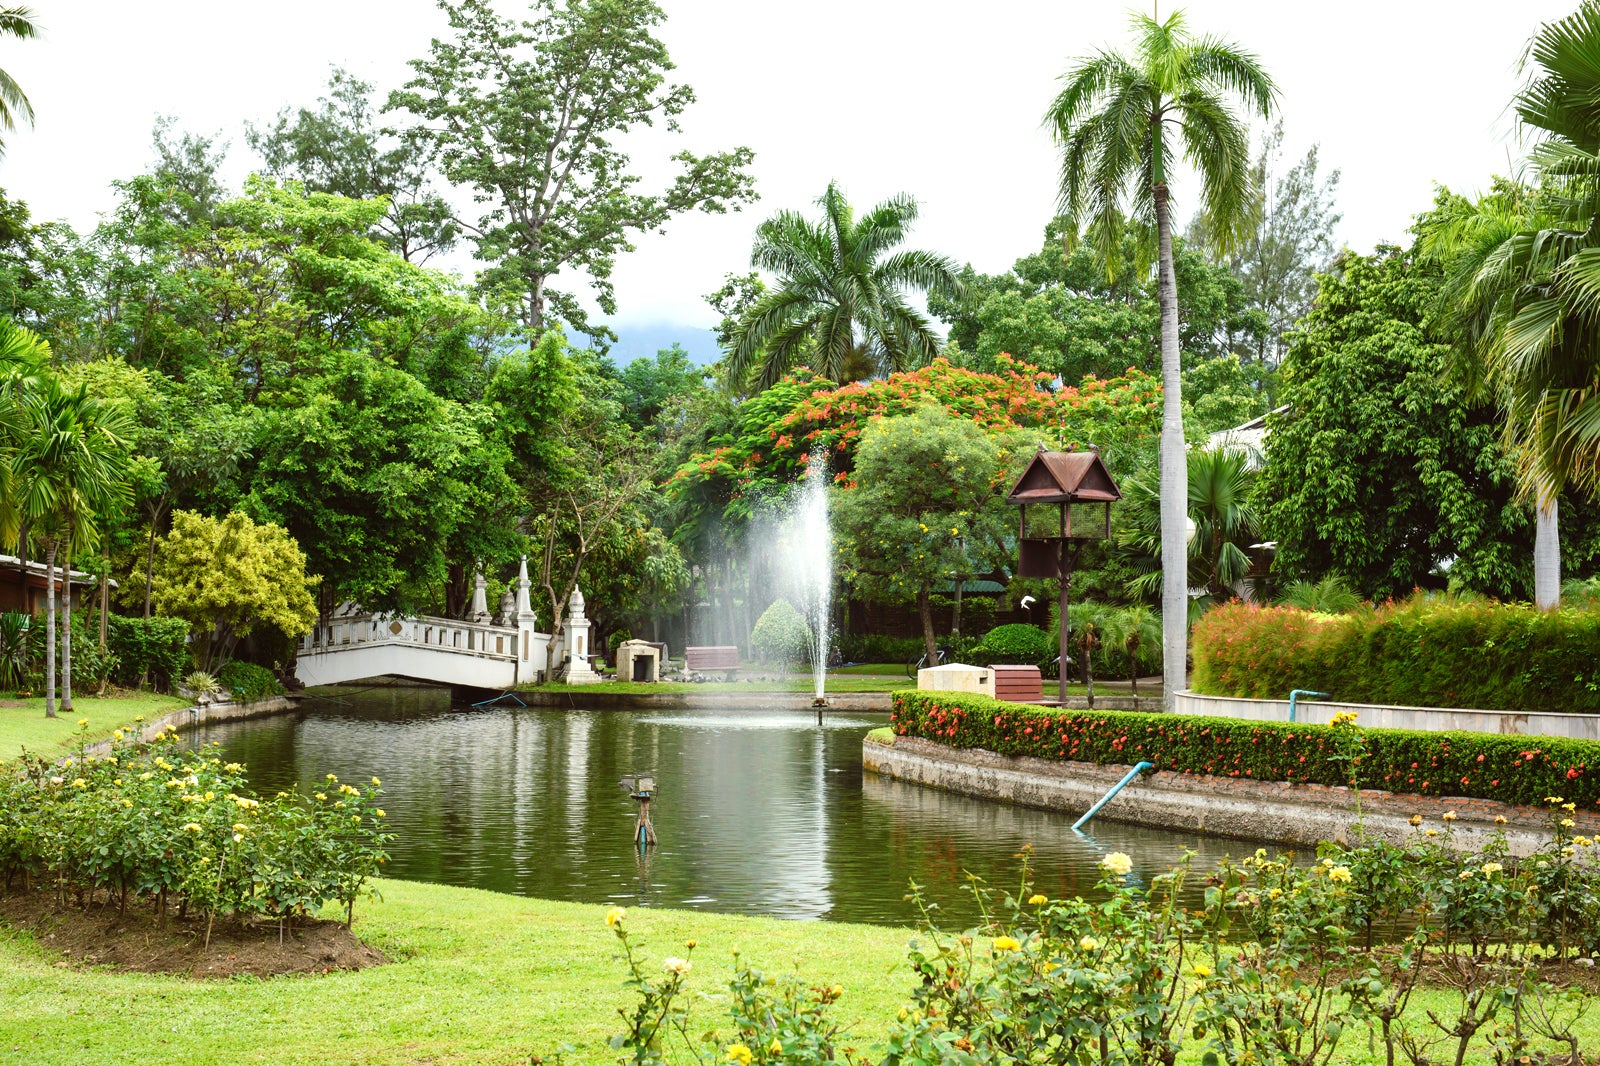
{"x":1225,"y":526}
{"x":1086,"y":624}
{"x":1129,"y":630}
{"x":1330,"y":595}
{"x":1120,"y":121}
{"x":15,"y":22}
{"x":72,"y":467}
{"x":840,"y":299}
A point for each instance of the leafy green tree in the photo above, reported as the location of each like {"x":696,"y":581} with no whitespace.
{"x":1111,"y":120}
{"x":781,"y":633}
{"x":1223,"y":392}
{"x":15,"y":22}
{"x":652,"y":389}
{"x":530,"y":115}
{"x":928,"y":502}
{"x":371,"y":474}
{"x":338,"y":148}
{"x":840,"y":296}
{"x":1382,"y":469}
{"x":1278,"y":256}
{"x":227,"y":576}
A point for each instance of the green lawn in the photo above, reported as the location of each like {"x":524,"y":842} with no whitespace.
{"x":796,"y":684}
{"x":23,"y":724}
{"x":478,"y":977}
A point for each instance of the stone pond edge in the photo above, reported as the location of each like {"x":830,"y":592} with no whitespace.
{"x":1279,"y":812}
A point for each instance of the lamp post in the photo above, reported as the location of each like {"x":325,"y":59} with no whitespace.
{"x":1064,"y":479}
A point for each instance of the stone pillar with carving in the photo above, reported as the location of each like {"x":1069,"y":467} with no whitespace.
{"x":577,"y":670}
{"x":530,"y":649}
{"x":479,"y":611}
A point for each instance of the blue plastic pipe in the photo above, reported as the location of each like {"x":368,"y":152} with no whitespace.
{"x":1138,"y":769}
{"x":1296,"y":694}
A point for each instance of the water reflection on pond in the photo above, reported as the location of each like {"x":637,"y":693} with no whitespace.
{"x":759,"y":812}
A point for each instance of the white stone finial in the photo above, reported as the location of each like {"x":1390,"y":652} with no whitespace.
{"x":524,"y":587}
{"x":479,"y":611}
{"x":576,"y":602}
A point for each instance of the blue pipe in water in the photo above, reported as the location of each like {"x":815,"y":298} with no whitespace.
{"x":1118,"y":787}
{"x":1296,"y":694}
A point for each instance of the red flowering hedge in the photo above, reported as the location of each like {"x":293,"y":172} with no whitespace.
{"x":1512,"y":769}
{"x":1418,"y":652}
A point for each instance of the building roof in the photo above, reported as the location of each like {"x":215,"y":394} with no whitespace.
{"x":12,"y":565}
{"x":1065,"y":477}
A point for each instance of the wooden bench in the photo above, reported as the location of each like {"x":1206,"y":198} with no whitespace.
{"x":723,"y":659}
{"x":1018,"y":684}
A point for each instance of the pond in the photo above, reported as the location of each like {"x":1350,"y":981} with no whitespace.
{"x":758,"y":811}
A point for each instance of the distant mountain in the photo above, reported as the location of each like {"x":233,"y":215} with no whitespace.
{"x":641,"y":340}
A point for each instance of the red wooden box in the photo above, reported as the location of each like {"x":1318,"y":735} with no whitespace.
{"x":1018,"y":684}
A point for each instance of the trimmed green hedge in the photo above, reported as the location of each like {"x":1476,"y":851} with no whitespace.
{"x":1017,"y":643}
{"x":1421,"y":652}
{"x":246,"y":682}
{"x":1511,"y":769}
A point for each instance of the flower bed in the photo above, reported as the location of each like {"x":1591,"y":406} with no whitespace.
{"x":1512,"y":769}
{"x":158,"y":822}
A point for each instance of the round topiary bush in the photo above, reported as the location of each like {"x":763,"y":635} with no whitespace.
{"x":781,"y":634}
{"x":1016,"y":643}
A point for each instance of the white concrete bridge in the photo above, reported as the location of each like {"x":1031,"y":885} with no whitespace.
{"x":478,"y":652}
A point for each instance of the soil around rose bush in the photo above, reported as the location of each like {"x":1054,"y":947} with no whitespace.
{"x":99,"y":936}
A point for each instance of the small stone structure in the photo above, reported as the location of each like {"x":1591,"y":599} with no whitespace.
{"x":956,"y":677}
{"x":638,"y":660}
{"x":577,"y":670}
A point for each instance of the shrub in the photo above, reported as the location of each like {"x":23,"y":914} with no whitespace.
{"x":1512,"y":769}
{"x":163,"y":823}
{"x":154,"y":650}
{"x":20,"y":642}
{"x":1425,"y":651}
{"x":876,"y":648}
{"x":1015,"y":643}
{"x":247,"y":681}
{"x":781,"y":633}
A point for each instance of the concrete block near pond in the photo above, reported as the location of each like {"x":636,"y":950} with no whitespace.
{"x":1297,"y":814}
{"x":956,"y":677}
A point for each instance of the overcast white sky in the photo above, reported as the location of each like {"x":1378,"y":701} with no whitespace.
{"x":939,"y":99}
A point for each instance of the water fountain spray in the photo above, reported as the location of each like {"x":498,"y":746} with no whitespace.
{"x":805,"y":565}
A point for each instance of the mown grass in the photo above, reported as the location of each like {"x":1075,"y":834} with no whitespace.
{"x":477,"y":977}
{"x":23,"y":724}
{"x":796,"y":684}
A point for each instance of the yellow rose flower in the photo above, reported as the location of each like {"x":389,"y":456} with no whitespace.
{"x":1416,"y":819}
{"x":1006,"y":943}
{"x":1492,"y":868}
{"x":776,"y":1047}
{"x":1567,"y":823}
{"x":1036,"y":899}
{"x":614,"y":916}
{"x":1117,"y":863}
{"x":1340,"y":874}
{"x":1449,"y":816}
{"x":1089,"y":943}
{"x":740,"y":1054}
{"x":676,"y":966}
{"x":1202,"y":970}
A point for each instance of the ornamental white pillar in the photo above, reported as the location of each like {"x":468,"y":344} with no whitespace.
{"x":479,"y":611}
{"x":577,"y":670}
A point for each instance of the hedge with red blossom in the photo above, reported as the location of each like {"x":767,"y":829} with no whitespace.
{"x":1512,"y":769}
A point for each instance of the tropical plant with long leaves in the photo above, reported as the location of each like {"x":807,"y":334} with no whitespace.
{"x":15,"y":22}
{"x":1330,"y":594}
{"x":1130,"y":630}
{"x":840,"y":300}
{"x":1523,"y":285}
{"x":1225,"y":526}
{"x":1122,"y":124}
{"x":70,"y":468}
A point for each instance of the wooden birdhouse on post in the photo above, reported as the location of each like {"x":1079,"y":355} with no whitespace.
{"x":1066,"y":479}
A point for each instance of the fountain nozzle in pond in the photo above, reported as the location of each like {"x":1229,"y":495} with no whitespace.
{"x":641,"y":787}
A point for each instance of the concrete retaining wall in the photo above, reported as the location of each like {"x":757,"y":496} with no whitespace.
{"x":200,"y":714}
{"x":1577,"y":726}
{"x":757,"y":700}
{"x":1303,"y":815}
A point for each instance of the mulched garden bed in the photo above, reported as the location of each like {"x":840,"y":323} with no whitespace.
{"x":99,"y":936}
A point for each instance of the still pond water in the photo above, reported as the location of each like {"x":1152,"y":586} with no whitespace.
{"x":758,"y":812}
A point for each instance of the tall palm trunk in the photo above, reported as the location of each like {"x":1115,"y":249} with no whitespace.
{"x":1174,"y":474}
{"x":50,"y":631}
{"x":1546,"y":554}
{"x":66,"y":628}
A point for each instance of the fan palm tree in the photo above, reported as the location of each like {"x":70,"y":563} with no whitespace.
{"x":1129,"y":630}
{"x":1225,"y":525}
{"x":71,"y":468}
{"x":15,"y":22}
{"x":840,"y":299}
{"x":1121,"y":123}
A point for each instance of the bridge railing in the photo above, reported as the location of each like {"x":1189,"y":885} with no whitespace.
{"x":446,"y":634}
